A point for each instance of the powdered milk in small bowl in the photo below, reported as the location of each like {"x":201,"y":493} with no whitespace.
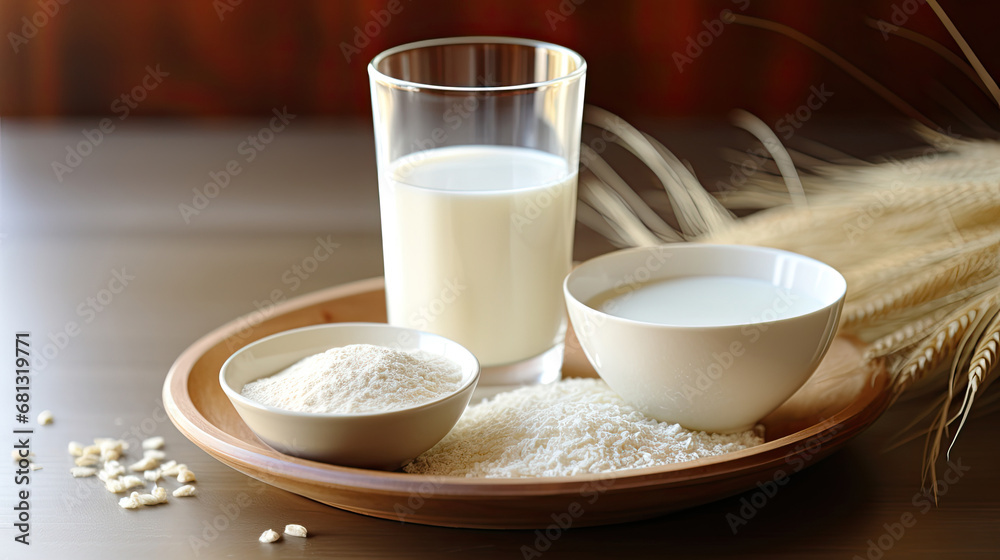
{"x":357,"y":394}
{"x":712,"y":337}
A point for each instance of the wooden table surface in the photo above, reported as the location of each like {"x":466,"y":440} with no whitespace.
{"x":107,"y":345}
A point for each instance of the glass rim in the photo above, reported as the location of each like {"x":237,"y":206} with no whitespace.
{"x":376,"y":74}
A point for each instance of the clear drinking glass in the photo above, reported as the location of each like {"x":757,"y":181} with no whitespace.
{"x":478,"y":144}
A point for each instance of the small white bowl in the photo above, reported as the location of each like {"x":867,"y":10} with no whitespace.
{"x":721,"y":378}
{"x":382,"y":440}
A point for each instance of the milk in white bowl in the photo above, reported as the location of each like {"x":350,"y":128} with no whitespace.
{"x":713,"y":337}
{"x":705,"y":301}
{"x":477,"y":240}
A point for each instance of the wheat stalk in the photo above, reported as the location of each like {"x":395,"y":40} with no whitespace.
{"x":615,"y":211}
{"x":988,"y":81}
{"x":602,"y":171}
{"x":697,"y":212}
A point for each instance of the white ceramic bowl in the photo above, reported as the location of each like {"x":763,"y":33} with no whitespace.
{"x":715,"y":378}
{"x":384,"y":440}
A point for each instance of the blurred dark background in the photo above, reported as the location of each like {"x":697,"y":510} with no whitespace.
{"x":220,"y":58}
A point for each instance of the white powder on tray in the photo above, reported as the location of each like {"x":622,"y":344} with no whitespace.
{"x":570,"y":427}
{"x":358,"y":378}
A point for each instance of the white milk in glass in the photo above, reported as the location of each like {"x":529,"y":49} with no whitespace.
{"x":705,"y":301}
{"x":477,"y":241}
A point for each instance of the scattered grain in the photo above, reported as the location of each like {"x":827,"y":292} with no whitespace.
{"x":130,"y":502}
{"x":111,"y":469}
{"x":144,"y":464}
{"x":294,"y":530}
{"x":269,"y":536}
{"x":184,"y":475}
{"x":111,"y":448}
{"x":155,"y":454}
{"x":82,"y":472}
{"x":88,"y":460}
{"x":132,"y":481}
{"x":158,"y":496}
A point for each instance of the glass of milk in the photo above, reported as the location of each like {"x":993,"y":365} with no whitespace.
{"x":478,"y":143}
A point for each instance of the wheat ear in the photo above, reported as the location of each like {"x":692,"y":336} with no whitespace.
{"x":872,"y":274}
{"x":936,"y":348}
{"x":961,"y":356}
{"x":903,"y":338}
{"x":984,"y":361}
{"x":969,"y":267}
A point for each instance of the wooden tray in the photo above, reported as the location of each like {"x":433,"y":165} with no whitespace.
{"x":840,"y":401}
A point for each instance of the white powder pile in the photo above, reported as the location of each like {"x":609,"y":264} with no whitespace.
{"x":358,"y":378}
{"x":571,"y":427}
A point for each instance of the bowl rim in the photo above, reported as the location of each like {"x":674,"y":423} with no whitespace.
{"x":622,"y":253}
{"x":237,"y":398}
